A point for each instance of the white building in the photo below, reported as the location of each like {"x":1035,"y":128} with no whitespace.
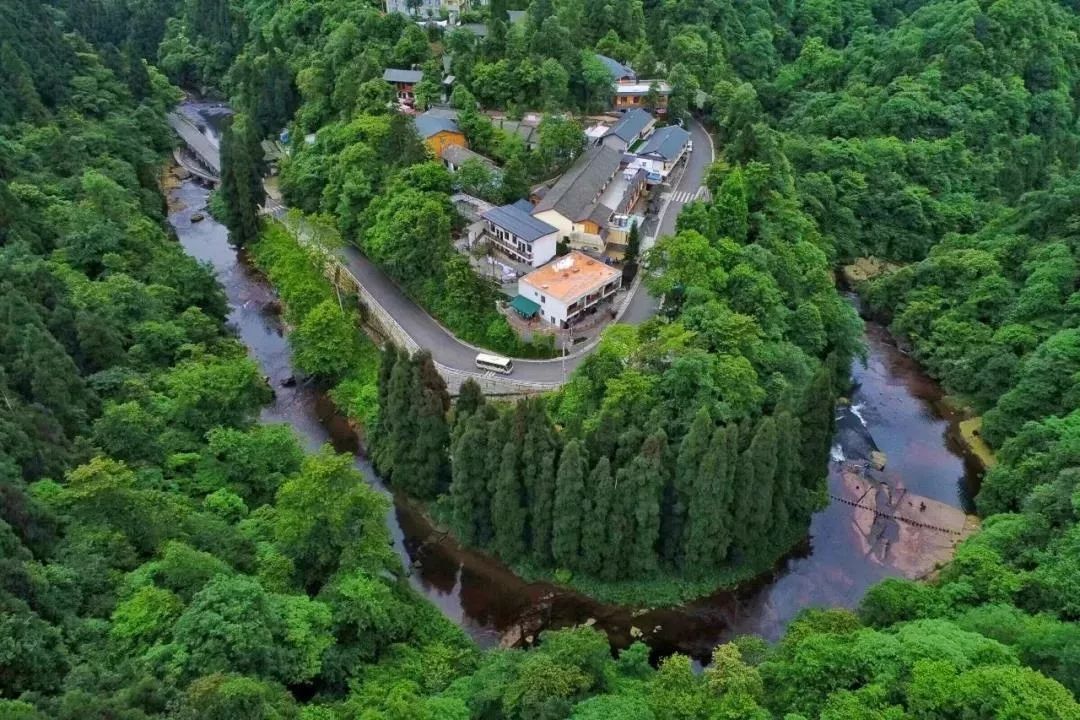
{"x":567,"y":289}
{"x":661,"y":152}
{"x":519,"y":235}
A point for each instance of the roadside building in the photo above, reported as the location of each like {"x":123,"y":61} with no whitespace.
{"x":620,"y":73}
{"x":404,"y":82}
{"x":520,"y":236}
{"x":634,"y":125}
{"x":664,"y":149}
{"x":574,"y":203}
{"x":439,"y":133}
{"x":454,"y":156}
{"x":567,"y":289}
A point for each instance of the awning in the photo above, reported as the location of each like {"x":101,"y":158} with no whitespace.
{"x":524,"y":307}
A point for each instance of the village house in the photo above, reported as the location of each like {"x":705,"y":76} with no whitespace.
{"x":454,"y":156}
{"x":565,"y":291}
{"x":574,"y":204}
{"x":630,"y":91}
{"x":403,"y":81}
{"x":439,"y":133}
{"x":664,"y":149}
{"x":518,"y":235}
{"x":634,"y":125}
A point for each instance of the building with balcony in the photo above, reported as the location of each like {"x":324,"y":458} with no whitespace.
{"x":520,"y":236}
{"x":404,"y":82}
{"x":567,"y":290}
{"x":659,"y":155}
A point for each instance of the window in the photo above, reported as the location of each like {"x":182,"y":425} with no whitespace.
{"x":542,"y":299}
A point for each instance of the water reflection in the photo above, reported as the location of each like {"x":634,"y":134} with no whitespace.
{"x":894,"y":408}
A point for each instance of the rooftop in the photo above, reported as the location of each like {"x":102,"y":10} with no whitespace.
{"x":642,"y":88}
{"x":428,"y":125}
{"x":575,"y":194}
{"x":397,"y":75}
{"x":458,"y":156}
{"x":616,"y":68}
{"x":519,"y":222}
{"x":631,"y":124}
{"x":666,"y":142}
{"x":571,"y":276}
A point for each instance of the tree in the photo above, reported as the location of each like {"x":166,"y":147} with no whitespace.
{"x":599,"y":492}
{"x":470,"y":502}
{"x":328,"y":518}
{"x":692,"y":450}
{"x":818,"y":418}
{"x":684,"y":88}
{"x":241,"y":181}
{"x":554,"y":85}
{"x":569,"y":510}
{"x":561,"y":141}
{"x":633,"y":245}
{"x":508,"y":512}
{"x":709,"y":523}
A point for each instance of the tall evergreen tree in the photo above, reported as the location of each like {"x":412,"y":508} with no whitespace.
{"x":469,"y":500}
{"x":787,"y":494}
{"x":241,"y":181}
{"x":470,"y":398}
{"x":687,"y":468}
{"x":647,"y":477}
{"x":383,"y":433}
{"x":569,"y":506}
{"x":538,"y":452}
{"x":398,"y":416}
{"x":708,"y":525}
{"x":620,"y":534}
{"x":600,"y":491}
{"x":428,"y":473}
{"x":508,"y":513}
{"x":762,"y":456}
{"x":818,"y":420}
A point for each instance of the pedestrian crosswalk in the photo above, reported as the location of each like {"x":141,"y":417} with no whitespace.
{"x":684,"y":196}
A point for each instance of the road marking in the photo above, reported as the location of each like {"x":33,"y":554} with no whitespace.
{"x":703,"y":194}
{"x":682,"y":197}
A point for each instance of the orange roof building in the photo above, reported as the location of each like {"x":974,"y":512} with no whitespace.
{"x":569,"y":288}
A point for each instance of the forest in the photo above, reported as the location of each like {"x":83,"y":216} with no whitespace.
{"x":165,"y":555}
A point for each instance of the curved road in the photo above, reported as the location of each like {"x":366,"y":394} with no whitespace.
{"x":446,"y":349}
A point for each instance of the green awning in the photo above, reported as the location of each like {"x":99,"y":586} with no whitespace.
{"x":524,"y":307}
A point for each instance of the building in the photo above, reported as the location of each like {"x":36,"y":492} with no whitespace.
{"x":619,"y":73}
{"x":403,"y":81}
{"x":630,"y":91}
{"x":566,"y":290}
{"x":630,"y":95}
{"x":634,"y":125}
{"x":454,"y":156}
{"x":664,"y":149}
{"x":574,"y":204}
{"x":439,"y":133}
{"x":520,"y":236}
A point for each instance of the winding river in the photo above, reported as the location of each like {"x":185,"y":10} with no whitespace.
{"x":894,"y":409}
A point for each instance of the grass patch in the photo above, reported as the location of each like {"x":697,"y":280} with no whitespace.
{"x":971,"y":434}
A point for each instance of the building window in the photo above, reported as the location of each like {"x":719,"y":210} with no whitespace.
{"x":542,"y":299}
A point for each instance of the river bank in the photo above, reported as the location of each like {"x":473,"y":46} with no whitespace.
{"x":894,"y":409}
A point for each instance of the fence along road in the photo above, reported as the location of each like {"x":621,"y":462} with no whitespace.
{"x":412,"y":327}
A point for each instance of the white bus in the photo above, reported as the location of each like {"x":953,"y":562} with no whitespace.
{"x":495,"y":362}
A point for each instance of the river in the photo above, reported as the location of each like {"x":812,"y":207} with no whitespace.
{"x":894,"y":408}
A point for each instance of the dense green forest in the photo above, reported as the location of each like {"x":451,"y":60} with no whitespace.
{"x":166,"y":556}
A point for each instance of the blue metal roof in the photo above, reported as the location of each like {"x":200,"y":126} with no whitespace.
{"x":630,"y":125}
{"x":427,"y":125}
{"x":666,"y":143}
{"x":616,"y":68}
{"x":515,"y":220}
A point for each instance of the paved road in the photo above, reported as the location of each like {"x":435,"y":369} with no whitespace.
{"x":447,"y":349}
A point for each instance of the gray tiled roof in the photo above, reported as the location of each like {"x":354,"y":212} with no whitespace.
{"x":616,"y":68}
{"x":457,"y":155}
{"x":575,"y":194}
{"x":666,"y":142}
{"x":427,"y":125}
{"x":520,"y":223}
{"x":396,"y":75}
{"x":523,"y":205}
{"x":630,"y":125}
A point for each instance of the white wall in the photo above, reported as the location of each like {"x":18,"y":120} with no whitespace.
{"x":544,"y":249}
{"x":549,"y":306}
